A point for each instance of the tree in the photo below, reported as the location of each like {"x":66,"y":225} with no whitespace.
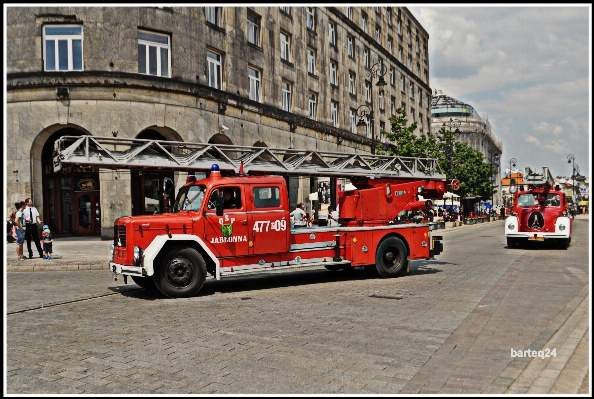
{"x":465,"y":163}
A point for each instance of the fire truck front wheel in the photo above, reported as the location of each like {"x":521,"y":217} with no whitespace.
{"x":145,"y":282}
{"x":391,"y":257}
{"x":180,"y":272}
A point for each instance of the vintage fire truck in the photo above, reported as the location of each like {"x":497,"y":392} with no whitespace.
{"x":173,"y":252}
{"x":539,"y":213}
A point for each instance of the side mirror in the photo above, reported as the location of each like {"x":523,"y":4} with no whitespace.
{"x":167,"y":184}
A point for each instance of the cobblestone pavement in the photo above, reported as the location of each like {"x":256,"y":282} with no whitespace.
{"x":448,"y":327}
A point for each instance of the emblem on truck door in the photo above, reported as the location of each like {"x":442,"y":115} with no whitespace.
{"x":227,"y":230}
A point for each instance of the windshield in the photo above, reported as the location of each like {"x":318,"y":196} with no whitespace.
{"x":189,"y":198}
{"x":527,"y":200}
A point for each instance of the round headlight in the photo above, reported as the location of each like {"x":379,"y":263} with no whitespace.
{"x":137,"y":251}
{"x":111,"y":249}
{"x":561,"y":227}
{"x":511,"y":226}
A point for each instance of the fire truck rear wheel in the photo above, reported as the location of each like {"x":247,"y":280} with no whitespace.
{"x":391,"y":257}
{"x":145,"y":282}
{"x":180,"y":272}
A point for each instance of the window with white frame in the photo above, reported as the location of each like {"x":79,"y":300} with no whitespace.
{"x":350,"y":47}
{"x":287,"y":89}
{"x":352,"y":82}
{"x":402,"y":82}
{"x":332,"y":33}
{"x":313,"y":103}
{"x":214,"y":15}
{"x":368,"y":92}
{"x":399,"y":27}
{"x":153,"y":54}
{"x":418,"y":69}
{"x":311,"y":22}
{"x":377,"y":10}
{"x":409,"y":62}
{"x":392,"y":76}
{"x":366,"y":57}
{"x":417,"y":44}
{"x":382,"y":128}
{"x":285,"y":46}
{"x":364,"y":22}
{"x":420,"y":122}
{"x":408,"y":34}
{"x":311,"y":61}
{"x":380,"y":99}
{"x":253,"y":22}
{"x":63,"y":48}
{"x":286,"y":10}
{"x":425,"y":76}
{"x":353,"y":120}
{"x":378,"y":34}
{"x":349,"y":12}
{"x":400,"y":54}
{"x":390,"y":45}
{"x":393,"y":105}
{"x":367,"y":126}
{"x":255,"y":84}
{"x":420,"y":97}
{"x":412,"y":90}
{"x":412,"y":115}
{"x":215,"y":69}
{"x":333,"y":73}
{"x":389,"y":15}
{"x":334,"y":113}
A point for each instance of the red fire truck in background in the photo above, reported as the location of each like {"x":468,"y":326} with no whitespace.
{"x":173,"y":252}
{"x":539,"y":213}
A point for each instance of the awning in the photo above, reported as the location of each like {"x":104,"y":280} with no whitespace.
{"x":583,"y":203}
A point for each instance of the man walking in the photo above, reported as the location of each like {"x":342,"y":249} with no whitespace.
{"x":31,"y":232}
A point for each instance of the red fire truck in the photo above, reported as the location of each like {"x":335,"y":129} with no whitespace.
{"x":539,"y":213}
{"x":173,"y":252}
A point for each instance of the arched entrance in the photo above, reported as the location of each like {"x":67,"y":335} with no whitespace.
{"x":147,"y":185}
{"x":71,"y":197}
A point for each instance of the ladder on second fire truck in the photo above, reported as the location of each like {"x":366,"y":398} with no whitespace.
{"x":544,"y":179}
{"x":122,"y":153}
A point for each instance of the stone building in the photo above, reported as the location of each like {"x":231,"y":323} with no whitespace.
{"x":281,"y":77}
{"x":471,"y":129}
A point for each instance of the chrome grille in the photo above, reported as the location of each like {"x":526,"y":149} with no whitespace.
{"x":119,"y":236}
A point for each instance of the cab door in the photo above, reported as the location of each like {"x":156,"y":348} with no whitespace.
{"x":268,"y":220}
{"x":228,"y":234}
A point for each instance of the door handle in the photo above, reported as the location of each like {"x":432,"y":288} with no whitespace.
{"x":244,"y":221}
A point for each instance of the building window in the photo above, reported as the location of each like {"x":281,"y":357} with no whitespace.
{"x":409,"y":62}
{"x":417,"y":45}
{"x":214,"y":15}
{"x":332,"y":33}
{"x":418,"y":69}
{"x":333,"y":73}
{"x":420,"y":97}
{"x":310,"y":18}
{"x":255,"y":84}
{"x":153,"y":54}
{"x":311,"y":61}
{"x":412,"y":115}
{"x":412,"y":90}
{"x":382,"y":128}
{"x":334,"y":113}
{"x":215,"y":69}
{"x":364,"y":22}
{"x":420,"y":122}
{"x":392,"y":76}
{"x":352,"y":83}
{"x":353,"y":120}
{"x":349,"y":12}
{"x":286,"y":10}
{"x":366,"y":57}
{"x":402,"y":82}
{"x":393,"y":105}
{"x":350,"y":47}
{"x":425,"y":76}
{"x":253,"y":29}
{"x":368,"y":92}
{"x":390,"y":45}
{"x":63,"y":48}
{"x":378,"y":34}
{"x":286,"y":87}
{"x":389,"y":15}
{"x":313,"y":103}
{"x":399,"y":27}
{"x":285,"y":47}
{"x":400,"y":54}
{"x":408,"y":35}
{"x":380,"y":99}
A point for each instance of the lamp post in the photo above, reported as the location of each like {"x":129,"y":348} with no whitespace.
{"x":378,"y":70}
{"x":511,"y":162}
{"x":453,"y":124}
{"x":571,"y":160}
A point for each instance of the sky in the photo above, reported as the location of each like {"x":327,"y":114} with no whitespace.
{"x":527,"y":69}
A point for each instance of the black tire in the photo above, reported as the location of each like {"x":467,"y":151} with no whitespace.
{"x":564,"y":243}
{"x":370,"y":271}
{"x":511,"y":242}
{"x":145,"y":282}
{"x":180,"y":272}
{"x":391,"y":257}
{"x":337,"y":268}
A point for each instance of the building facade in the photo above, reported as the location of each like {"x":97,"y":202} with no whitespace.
{"x":470,"y":129}
{"x":282,"y":77}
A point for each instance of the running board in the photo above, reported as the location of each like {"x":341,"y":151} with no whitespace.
{"x":280,"y":269}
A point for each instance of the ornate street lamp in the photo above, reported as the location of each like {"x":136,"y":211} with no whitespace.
{"x":571,"y":160}
{"x":378,"y":70}
{"x":512,"y":162}
{"x":454,"y":125}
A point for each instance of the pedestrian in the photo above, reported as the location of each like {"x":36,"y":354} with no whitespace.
{"x":21,"y":226}
{"x":332,"y":217}
{"x":31,"y":232}
{"x":299,"y":215}
{"x":431,"y":215}
{"x":47,"y":242}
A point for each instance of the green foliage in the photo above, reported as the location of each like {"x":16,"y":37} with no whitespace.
{"x":466,"y":164}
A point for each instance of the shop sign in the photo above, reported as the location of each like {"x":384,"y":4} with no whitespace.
{"x":86,"y":184}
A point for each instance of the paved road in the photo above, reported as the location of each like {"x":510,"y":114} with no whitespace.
{"x":447,"y":327}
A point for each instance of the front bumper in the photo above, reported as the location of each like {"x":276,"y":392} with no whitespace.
{"x":117,"y":269}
